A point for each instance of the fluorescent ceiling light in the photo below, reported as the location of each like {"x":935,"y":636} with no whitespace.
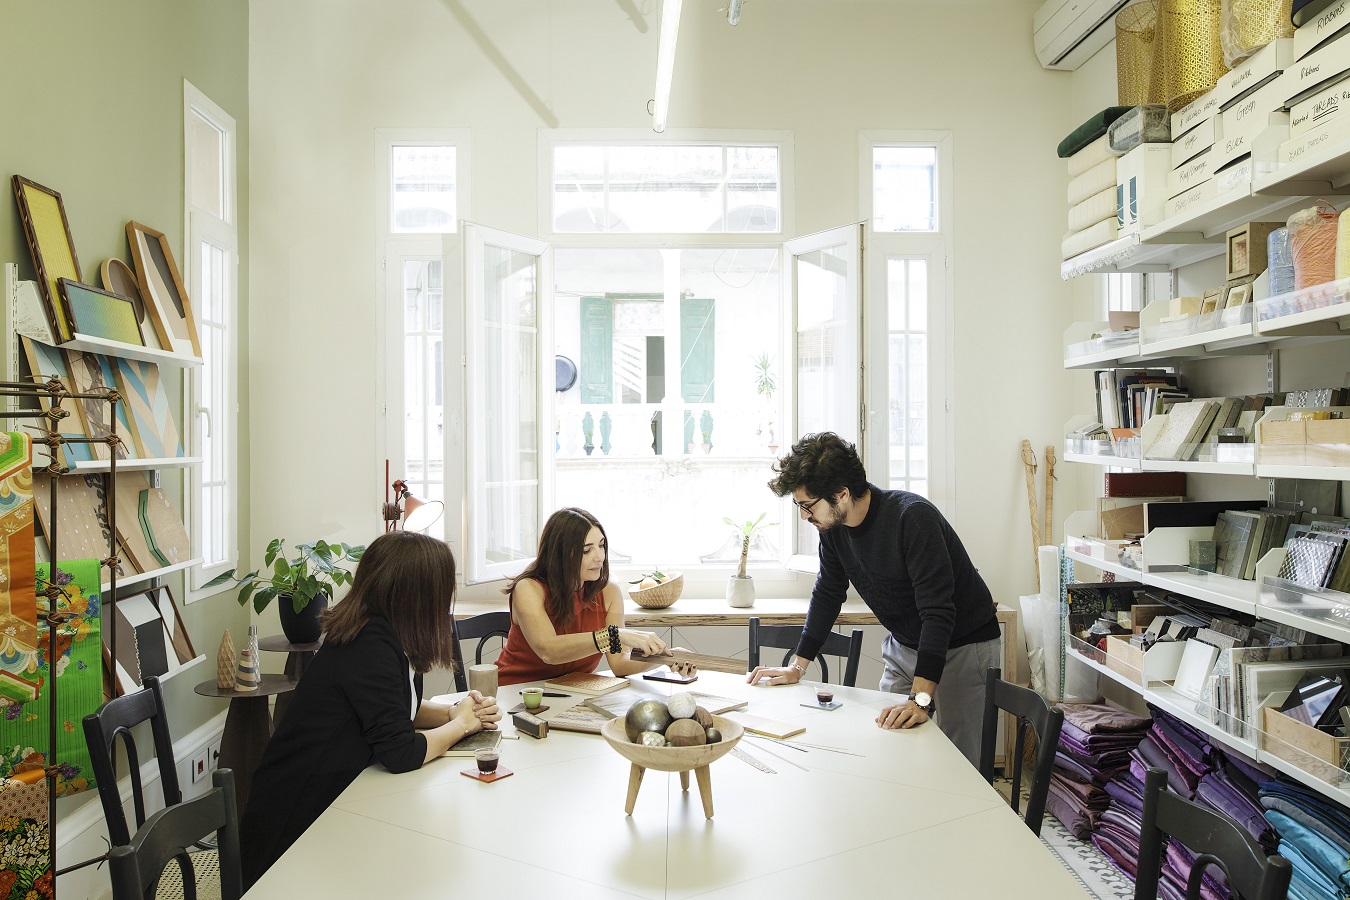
{"x":665,"y":61}
{"x":733,"y":11}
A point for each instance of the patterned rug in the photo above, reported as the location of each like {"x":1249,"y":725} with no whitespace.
{"x":1088,"y":865}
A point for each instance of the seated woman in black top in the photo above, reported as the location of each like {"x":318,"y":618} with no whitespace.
{"x":360,"y":700}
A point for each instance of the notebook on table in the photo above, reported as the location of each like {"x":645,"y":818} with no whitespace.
{"x":482,"y":740}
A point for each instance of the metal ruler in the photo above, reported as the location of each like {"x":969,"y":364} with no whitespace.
{"x":746,"y":757}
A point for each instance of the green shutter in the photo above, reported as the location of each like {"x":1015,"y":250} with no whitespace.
{"x":597,"y":350}
{"x":697,"y":350}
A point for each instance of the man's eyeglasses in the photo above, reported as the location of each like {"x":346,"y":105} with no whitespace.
{"x":806,"y":507}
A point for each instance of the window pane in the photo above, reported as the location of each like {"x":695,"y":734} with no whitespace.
{"x":422,"y":189}
{"x":666,"y":188}
{"x":904,"y":188}
{"x":423,"y":379}
{"x":206,"y":152}
{"x":907,"y":302}
{"x":821,"y":309}
{"x":213,"y":379}
{"x":510,"y":380}
{"x":677,"y":398}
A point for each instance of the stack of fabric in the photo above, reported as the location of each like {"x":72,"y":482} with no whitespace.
{"x":1231,"y":788}
{"x":1094,"y":745}
{"x":1314,"y":836}
{"x":1092,"y":183}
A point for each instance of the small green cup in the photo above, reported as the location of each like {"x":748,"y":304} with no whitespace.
{"x":533,"y":697}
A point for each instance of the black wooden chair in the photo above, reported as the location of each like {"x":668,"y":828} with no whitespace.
{"x":1215,"y":839}
{"x":135,"y":868}
{"x":1031,"y":709}
{"x":101,"y":731}
{"x":481,"y":628}
{"x":787,"y":636}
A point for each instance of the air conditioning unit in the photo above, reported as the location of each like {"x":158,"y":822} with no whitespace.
{"x":1069,"y":32}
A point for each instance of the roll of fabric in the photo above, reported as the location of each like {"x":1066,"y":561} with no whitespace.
{"x":1281,"y":261}
{"x":1343,"y":248}
{"x":1093,"y":210}
{"x":1104,"y":232}
{"x":1095,"y":180}
{"x":1094,"y":153}
{"x":1312,"y":241}
{"x":1090,"y":130}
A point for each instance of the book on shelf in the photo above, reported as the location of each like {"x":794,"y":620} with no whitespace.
{"x":585,"y":683}
{"x":1145,"y":484}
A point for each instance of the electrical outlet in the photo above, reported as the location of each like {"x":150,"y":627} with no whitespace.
{"x":213,"y":761}
{"x":199,"y":766}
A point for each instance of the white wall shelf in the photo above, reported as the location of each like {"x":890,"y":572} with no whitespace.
{"x":1318,"y":473}
{"x":1118,"y":462}
{"x":130,"y":351}
{"x":142,"y":577}
{"x":135,"y":465}
{"x":1197,"y":467}
{"x":1129,"y":254}
{"x":1215,"y":217}
{"x":1318,"y":173}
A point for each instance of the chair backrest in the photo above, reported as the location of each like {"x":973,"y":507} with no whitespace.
{"x":101,"y":730}
{"x":135,"y":867}
{"x":480,"y":628}
{"x":1031,"y":709}
{"x":787,"y":636}
{"x":1215,"y":839}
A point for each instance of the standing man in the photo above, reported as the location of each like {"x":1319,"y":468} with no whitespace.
{"x":912,"y":571}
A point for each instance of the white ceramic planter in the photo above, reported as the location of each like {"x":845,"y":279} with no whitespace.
{"x":741,"y":591}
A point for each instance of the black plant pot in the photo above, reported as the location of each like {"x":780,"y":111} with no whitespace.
{"x":301,"y":627}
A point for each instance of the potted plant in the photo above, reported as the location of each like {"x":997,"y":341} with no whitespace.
{"x":741,"y":587}
{"x":305,"y":583}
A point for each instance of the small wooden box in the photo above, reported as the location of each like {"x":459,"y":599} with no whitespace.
{"x":1284,"y":432}
{"x":1247,"y":249}
{"x":1328,"y":443}
{"x":1314,"y":751}
{"x":1159,"y":663}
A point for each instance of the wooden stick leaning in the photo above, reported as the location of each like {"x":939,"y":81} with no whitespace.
{"x":1048,"y":532}
{"x":1029,"y":466}
{"x":728,"y":664}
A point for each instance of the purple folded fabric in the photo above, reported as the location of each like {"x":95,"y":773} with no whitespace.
{"x":1181,"y":754}
{"x":1195,"y":756}
{"x":1073,"y":816}
{"x":1120,"y":847}
{"x":1138,"y":768}
{"x":1216,"y":794}
{"x":1180,"y":730}
{"x":1074,"y":770}
{"x":1123,"y":819}
{"x":1126,"y":739}
{"x":1122,"y":796}
{"x":1177,"y":864}
{"x":1096,"y":718}
{"x":1151,"y":755}
{"x":1255,"y":773}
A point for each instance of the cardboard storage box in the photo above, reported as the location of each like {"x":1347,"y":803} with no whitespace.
{"x":1314,"y":751}
{"x":1159,"y":663}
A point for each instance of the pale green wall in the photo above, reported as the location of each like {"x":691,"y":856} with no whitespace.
{"x":92,"y":98}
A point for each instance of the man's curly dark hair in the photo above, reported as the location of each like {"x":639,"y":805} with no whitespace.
{"x":823,"y":464}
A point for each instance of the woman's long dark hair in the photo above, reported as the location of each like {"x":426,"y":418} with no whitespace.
{"x":407,"y":578}
{"x":558,"y":565}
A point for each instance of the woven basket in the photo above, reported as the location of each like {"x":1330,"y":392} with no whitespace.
{"x":661,"y":595}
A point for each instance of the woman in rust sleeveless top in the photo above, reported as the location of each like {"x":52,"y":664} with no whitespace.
{"x":562,"y":607}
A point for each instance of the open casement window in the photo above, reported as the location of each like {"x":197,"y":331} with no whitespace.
{"x":506,"y":284}
{"x":826,"y":285}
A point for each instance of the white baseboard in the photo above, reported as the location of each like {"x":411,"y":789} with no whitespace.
{"x":82,"y":833}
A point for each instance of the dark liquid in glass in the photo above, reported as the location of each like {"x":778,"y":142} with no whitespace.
{"x":487,"y":762}
{"x":824,"y":698}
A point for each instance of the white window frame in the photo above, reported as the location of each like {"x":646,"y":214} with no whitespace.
{"x":392,"y":249}
{"x":937,"y":248}
{"x":202,"y":226}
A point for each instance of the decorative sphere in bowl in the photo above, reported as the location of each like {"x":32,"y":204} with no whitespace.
{"x":673,"y":759}
{"x":646,"y":715}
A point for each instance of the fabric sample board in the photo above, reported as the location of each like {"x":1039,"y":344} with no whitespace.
{"x":101,"y":314}
{"x":1090,"y":131}
{"x":1093,"y":181}
{"x":18,"y":601}
{"x":146,"y":640}
{"x":152,"y":421}
{"x":78,"y":679}
{"x":130,"y":487}
{"x":1093,"y":154}
{"x":86,"y":375}
{"x":82,"y":519}
{"x":49,"y":240}
{"x":1099,"y":206}
{"x":1104,"y":232}
{"x":164,"y":527}
{"x":49,"y":362}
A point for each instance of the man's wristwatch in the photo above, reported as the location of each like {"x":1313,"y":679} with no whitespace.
{"x":924,"y":701}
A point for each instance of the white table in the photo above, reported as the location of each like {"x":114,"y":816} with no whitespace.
{"x":910,"y":816}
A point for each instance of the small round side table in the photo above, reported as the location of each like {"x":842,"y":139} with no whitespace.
{"x":248,"y":726}
{"x":297,"y":657}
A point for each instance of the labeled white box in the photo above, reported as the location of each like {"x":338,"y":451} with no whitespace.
{"x":1190,"y":199}
{"x":1193,"y":143}
{"x":1325,"y":65}
{"x":1233,"y":178}
{"x":1256,"y":70}
{"x":1320,"y":107}
{"x":1243,"y":142}
{"x":1308,"y":143}
{"x":1191,"y":174}
{"x":1141,"y":186}
{"x":1323,"y":27}
{"x":1199,"y":109}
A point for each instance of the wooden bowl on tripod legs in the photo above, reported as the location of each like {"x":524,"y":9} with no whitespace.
{"x":673,"y":759}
